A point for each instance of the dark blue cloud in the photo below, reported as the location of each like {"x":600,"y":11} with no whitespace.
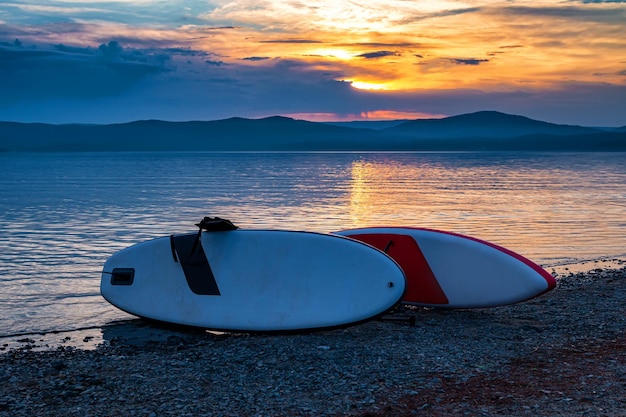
{"x":295,"y":41}
{"x":378,"y":54}
{"x":610,"y":15}
{"x":383,"y":44}
{"x":256,"y":58}
{"x":468,"y":61}
{"x":110,"y":51}
{"x":74,"y":49}
{"x":420,"y":15}
{"x":60,"y":73}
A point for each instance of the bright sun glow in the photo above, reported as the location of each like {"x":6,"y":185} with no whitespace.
{"x":361,"y":85}
{"x":333,"y":53}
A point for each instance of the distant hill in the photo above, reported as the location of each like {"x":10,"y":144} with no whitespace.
{"x":477,"y":131}
{"x":484,"y":124}
{"x":236,"y":134}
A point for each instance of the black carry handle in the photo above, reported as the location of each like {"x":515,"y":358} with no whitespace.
{"x":212,"y":224}
{"x":216,"y":224}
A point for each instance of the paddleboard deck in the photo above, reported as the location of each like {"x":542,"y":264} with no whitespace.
{"x":450,"y":270}
{"x":253,"y":280}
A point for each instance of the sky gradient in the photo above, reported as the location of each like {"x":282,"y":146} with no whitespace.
{"x":89,"y":61}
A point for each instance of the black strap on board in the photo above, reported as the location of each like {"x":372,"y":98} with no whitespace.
{"x":188,"y":250}
{"x":195,"y":265}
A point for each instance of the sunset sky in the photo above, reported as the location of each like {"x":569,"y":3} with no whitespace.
{"x":99,"y":61}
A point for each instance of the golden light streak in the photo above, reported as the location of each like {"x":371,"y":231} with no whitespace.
{"x":361,"y":199}
{"x":378,"y":188}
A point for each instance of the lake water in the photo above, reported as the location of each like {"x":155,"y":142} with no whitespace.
{"x":63,"y":215}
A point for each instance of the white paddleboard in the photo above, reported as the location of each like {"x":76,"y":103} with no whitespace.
{"x":445,"y":269}
{"x":253,"y":280}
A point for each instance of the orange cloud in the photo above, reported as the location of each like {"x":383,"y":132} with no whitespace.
{"x":366,"y":115}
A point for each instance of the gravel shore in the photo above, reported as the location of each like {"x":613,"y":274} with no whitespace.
{"x":563,"y":353}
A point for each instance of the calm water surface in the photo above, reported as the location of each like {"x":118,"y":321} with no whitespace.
{"x":63,"y":215}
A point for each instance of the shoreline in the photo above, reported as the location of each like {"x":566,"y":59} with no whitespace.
{"x":559,"y":354}
{"x":138,"y":332}
{"x":561,"y":269}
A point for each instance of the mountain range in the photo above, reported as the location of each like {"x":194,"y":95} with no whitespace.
{"x":485,"y":130}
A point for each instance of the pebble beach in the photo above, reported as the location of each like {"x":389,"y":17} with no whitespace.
{"x":563,"y":353}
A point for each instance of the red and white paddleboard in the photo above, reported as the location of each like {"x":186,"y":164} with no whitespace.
{"x":449,"y":270}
